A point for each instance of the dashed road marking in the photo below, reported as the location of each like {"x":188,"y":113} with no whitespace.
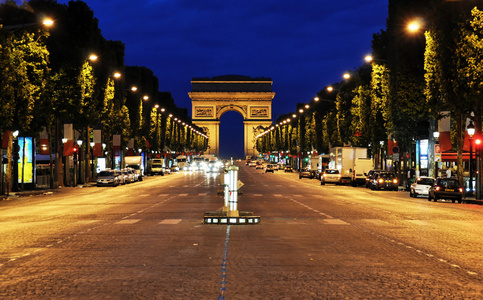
{"x":183,"y":195}
{"x":163,"y":195}
{"x":278,"y":195}
{"x":334,"y":222}
{"x":257,"y":195}
{"x":202,"y":194}
{"x":170,"y":221}
{"x":128,"y":221}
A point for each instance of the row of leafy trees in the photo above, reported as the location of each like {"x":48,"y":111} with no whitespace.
{"x":47,"y":80}
{"x":400,"y":94}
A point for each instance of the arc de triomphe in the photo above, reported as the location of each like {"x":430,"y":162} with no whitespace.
{"x":251,"y":97}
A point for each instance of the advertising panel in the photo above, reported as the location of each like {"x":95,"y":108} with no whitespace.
{"x":25,"y":160}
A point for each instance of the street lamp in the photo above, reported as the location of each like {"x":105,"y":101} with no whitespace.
{"x":92,"y":144}
{"x":436,"y":137}
{"x":79,"y":143}
{"x":471,"y":132}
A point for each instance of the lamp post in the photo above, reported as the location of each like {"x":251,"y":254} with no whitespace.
{"x":92,"y":144}
{"x":16,"y":156}
{"x":471,"y":132}
{"x":79,"y":142}
{"x":436,"y":137}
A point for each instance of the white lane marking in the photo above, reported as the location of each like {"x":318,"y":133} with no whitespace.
{"x":334,"y":222}
{"x":163,"y":195}
{"x":182,"y":195}
{"x":202,"y":194}
{"x":170,"y":221}
{"x":129,"y":221}
{"x":278,"y":195}
{"x":257,"y":195}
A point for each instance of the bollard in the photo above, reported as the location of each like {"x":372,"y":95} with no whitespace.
{"x":230,"y":214}
{"x":233,"y":186}
{"x":226,"y":177}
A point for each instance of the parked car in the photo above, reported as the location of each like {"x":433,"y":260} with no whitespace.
{"x":127,"y":176}
{"x":252,"y":164}
{"x":370,"y":177}
{"x":174,"y":168}
{"x":109,"y":178}
{"x":288,"y":168}
{"x":421,"y":186}
{"x":330,"y":176}
{"x":307,"y":173}
{"x":385,"y":181}
{"x":270,"y":168}
{"x":259,"y":165}
{"x":279,"y":166}
{"x":446,"y":188}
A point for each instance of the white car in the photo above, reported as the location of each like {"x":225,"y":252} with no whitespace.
{"x":421,"y":186}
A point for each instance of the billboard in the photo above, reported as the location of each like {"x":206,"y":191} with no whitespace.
{"x":25,"y":160}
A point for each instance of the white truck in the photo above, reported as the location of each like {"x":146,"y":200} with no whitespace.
{"x":352,"y":163}
{"x":156,"y":166}
{"x":136,"y":163}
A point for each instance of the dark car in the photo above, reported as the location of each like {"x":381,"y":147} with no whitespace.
{"x":385,"y":181}
{"x":446,"y":188}
{"x":307,"y":173}
{"x":288,"y":169}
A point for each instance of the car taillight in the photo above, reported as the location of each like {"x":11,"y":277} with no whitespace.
{"x":460,"y":190}
{"x":438,"y":188}
{"x":395,"y":181}
{"x":339,"y":175}
{"x":381,"y":180}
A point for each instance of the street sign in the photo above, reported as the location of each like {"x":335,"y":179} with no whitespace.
{"x":395,"y":157}
{"x":239,"y":185}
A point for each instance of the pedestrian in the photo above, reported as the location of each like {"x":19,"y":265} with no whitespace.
{"x":448,"y":173}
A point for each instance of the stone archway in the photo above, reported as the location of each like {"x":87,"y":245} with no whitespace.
{"x":251,"y":97}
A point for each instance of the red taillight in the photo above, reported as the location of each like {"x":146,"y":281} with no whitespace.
{"x":438,"y":188}
{"x":395,"y":181}
{"x":460,"y":190}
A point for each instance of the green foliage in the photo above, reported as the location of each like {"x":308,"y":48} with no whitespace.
{"x":24,"y":61}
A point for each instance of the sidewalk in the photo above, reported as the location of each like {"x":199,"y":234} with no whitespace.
{"x":46,"y":191}
{"x":472,"y":200}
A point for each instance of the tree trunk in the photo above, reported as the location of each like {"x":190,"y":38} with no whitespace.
{"x":460,"y":140}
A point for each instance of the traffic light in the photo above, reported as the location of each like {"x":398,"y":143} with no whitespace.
{"x":478,"y":142}
{"x":306,"y":159}
{"x":75,"y":152}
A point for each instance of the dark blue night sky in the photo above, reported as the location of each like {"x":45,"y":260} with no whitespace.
{"x":302,"y":45}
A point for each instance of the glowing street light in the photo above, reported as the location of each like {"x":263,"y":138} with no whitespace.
{"x":117,"y":75}
{"x":145,"y":98}
{"x":48,"y":22}
{"x":93,"y":57}
{"x":330,"y":89}
{"x":346,"y":76}
{"x":368,"y":58}
{"x":414,"y":26}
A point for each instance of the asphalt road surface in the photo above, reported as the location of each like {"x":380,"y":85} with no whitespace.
{"x":146,"y":240}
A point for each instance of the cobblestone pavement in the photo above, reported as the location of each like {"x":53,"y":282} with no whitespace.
{"x":146,"y":241}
